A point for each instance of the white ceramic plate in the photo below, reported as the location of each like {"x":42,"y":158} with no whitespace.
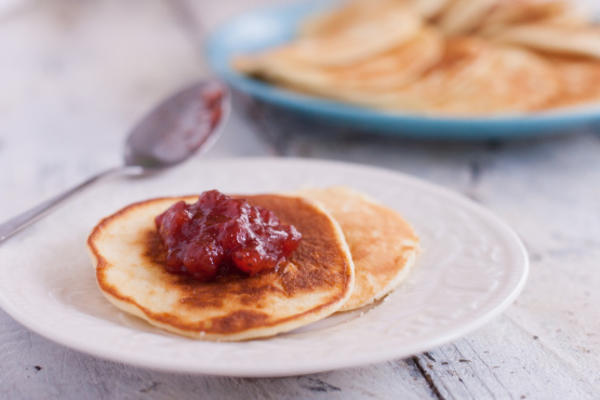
{"x":472,"y":267}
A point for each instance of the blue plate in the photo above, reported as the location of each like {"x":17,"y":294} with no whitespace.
{"x":271,"y":26}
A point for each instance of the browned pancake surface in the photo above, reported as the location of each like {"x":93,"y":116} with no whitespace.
{"x":313,"y":283}
{"x":382,"y":243}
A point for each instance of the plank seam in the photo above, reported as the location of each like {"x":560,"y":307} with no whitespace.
{"x":427,"y":376}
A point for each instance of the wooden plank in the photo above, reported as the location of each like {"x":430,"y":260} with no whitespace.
{"x":31,"y":365}
{"x":503,"y":362}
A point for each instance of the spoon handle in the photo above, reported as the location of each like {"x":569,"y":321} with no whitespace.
{"x":21,"y":221}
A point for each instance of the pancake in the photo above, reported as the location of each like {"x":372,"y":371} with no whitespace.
{"x":452,"y":57}
{"x":353,"y":14}
{"x":314,"y":282}
{"x":463,"y":16}
{"x":459,"y":83}
{"x":517,"y":12}
{"x":390,"y":69}
{"x":427,"y":8}
{"x":580,"y":81}
{"x":332,"y":20}
{"x":336,"y":19}
{"x":475,"y":77}
{"x":383,"y":245}
{"x":332,"y":39}
{"x":554,"y":38}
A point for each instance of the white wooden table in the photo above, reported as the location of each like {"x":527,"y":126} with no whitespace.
{"x":75,"y":75}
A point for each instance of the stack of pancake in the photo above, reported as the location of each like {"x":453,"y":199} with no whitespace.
{"x":353,"y":252}
{"x":461,"y":57}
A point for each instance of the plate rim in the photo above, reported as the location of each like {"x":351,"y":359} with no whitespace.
{"x":331,"y":363}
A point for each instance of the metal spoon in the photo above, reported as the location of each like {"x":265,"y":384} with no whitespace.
{"x":175,"y":129}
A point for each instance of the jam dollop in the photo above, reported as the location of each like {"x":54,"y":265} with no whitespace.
{"x":218,"y":232}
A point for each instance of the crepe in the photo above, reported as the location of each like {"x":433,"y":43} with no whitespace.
{"x":314,"y":282}
{"x":383,"y":245}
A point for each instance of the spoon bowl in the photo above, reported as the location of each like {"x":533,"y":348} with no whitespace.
{"x":177,"y":127}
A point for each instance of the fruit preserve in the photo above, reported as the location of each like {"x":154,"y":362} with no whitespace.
{"x":219,"y":232}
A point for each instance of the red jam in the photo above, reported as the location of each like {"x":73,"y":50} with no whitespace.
{"x":218,"y":232}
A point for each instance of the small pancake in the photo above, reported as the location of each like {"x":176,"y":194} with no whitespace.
{"x":580,"y":81}
{"x":333,"y":20}
{"x":462,"y":16}
{"x":455,"y":57}
{"x":314,"y":282}
{"x":475,"y":77}
{"x":351,"y":14}
{"x":336,"y":19}
{"x":554,"y":38}
{"x":428,"y":8}
{"x":355,"y":33}
{"x":470,"y":77}
{"x":383,"y":245}
{"x":390,"y":69}
{"x":517,"y":12}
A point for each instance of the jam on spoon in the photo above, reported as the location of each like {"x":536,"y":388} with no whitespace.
{"x":219,"y":232}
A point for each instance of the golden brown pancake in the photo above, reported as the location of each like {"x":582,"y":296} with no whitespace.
{"x":364,"y":29}
{"x":517,"y":12}
{"x":463,"y":76}
{"x":314,"y":282}
{"x":390,"y":69}
{"x":579,"y":79}
{"x":462,"y":16}
{"x":333,"y":21}
{"x":428,"y":9}
{"x":383,"y":245}
{"x":475,"y":77}
{"x":366,"y":20}
{"x":451,"y":57}
{"x":554,"y":38}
